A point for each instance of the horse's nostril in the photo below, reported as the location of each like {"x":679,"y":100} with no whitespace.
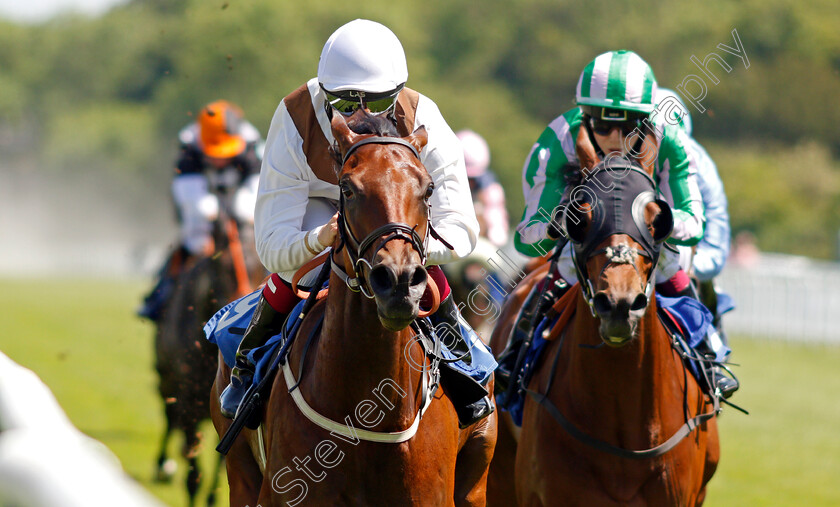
{"x":382,"y":279}
{"x":640,"y":303}
{"x":602,"y":304}
{"x":419,"y":277}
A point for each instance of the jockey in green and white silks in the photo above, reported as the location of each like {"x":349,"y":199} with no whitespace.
{"x":616,"y":109}
{"x":615,"y":94}
{"x":712,"y":251}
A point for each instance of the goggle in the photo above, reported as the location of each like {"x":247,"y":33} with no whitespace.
{"x":608,"y":119}
{"x":346,"y":102}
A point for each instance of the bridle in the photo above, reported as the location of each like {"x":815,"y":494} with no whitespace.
{"x":586,"y":282}
{"x":357,"y":249}
{"x":606,"y":207}
{"x":610,"y":217}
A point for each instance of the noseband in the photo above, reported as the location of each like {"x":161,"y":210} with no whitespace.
{"x":395,"y":230}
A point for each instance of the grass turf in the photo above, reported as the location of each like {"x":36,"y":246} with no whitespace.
{"x":83,"y":340}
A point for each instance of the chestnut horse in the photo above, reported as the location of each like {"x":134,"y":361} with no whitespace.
{"x":185,"y":360}
{"x":612,"y":416}
{"x":350,"y":432}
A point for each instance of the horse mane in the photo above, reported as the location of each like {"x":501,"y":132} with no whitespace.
{"x":366,"y":123}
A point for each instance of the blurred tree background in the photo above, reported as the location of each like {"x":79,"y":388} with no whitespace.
{"x":102,"y":99}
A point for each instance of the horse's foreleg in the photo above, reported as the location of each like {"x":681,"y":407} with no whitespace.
{"x":711,"y":458}
{"x":190,"y":451}
{"x":473,"y":461}
{"x":166,"y":466}
{"x":501,"y":481}
{"x":243,"y":473}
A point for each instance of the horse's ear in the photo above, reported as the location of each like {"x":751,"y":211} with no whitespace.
{"x":342,"y":133}
{"x":576,"y":221}
{"x":659,"y":219}
{"x":648,"y":154}
{"x":585,"y":150}
{"x":418,"y":138}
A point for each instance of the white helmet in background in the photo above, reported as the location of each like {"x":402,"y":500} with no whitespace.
{"x":362,"y":55}
{"x":676,"y":111}
{"x":476,"y":153}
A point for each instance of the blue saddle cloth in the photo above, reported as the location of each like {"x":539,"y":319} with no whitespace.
{"x":227,"y":326}
{"x":694,"y":319}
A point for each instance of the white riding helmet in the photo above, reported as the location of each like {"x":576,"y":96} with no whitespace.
{"x":362,"y":55}
{"x":476,"y":153}
{"x":677,"y":111}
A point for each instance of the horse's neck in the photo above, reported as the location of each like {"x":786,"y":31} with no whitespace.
{"x":625,"y":375}
{"x":361,"y":360}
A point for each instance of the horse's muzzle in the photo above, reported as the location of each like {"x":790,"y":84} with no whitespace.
{"x":619,"y":316}
{"x":397,"y":289}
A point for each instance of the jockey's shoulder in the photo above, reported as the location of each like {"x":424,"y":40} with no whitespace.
{"x":669,"y":133}
{"x":572,"y":117}
{"x":188,"y":136}
{"x":565,"y":125}
{"x":249,"y":132}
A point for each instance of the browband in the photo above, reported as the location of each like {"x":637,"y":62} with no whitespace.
{"x":380,"y":140}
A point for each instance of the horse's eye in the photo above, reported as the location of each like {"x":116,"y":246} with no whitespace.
{"x":429,"y":191}
{"x":346,"y":191}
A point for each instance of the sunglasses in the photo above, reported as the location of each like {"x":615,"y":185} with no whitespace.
{"x":604,"y":127}
{"x":346,"y":102}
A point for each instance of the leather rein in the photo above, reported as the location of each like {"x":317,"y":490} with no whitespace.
{"x":686,"y":429}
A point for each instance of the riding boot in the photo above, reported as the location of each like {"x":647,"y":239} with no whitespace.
{"x":532,"y":311}
{"x":522,"y":329}
{"x":265,"y":323}
{"x":469,"y":397}
{"x":723,"y":384}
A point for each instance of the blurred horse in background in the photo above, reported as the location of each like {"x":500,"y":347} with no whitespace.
{"x":185,"y":360}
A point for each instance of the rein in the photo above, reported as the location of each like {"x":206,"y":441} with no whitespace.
{"x":240,"y":269}
{"x":686,"y":429}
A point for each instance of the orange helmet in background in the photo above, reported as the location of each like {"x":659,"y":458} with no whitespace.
{"x":218,"y":125}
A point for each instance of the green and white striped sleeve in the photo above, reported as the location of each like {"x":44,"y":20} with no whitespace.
{"x":680,"y":175}
{"x":543,"y":182}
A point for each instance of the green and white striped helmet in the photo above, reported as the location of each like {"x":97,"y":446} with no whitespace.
{"x":617,"y":80}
